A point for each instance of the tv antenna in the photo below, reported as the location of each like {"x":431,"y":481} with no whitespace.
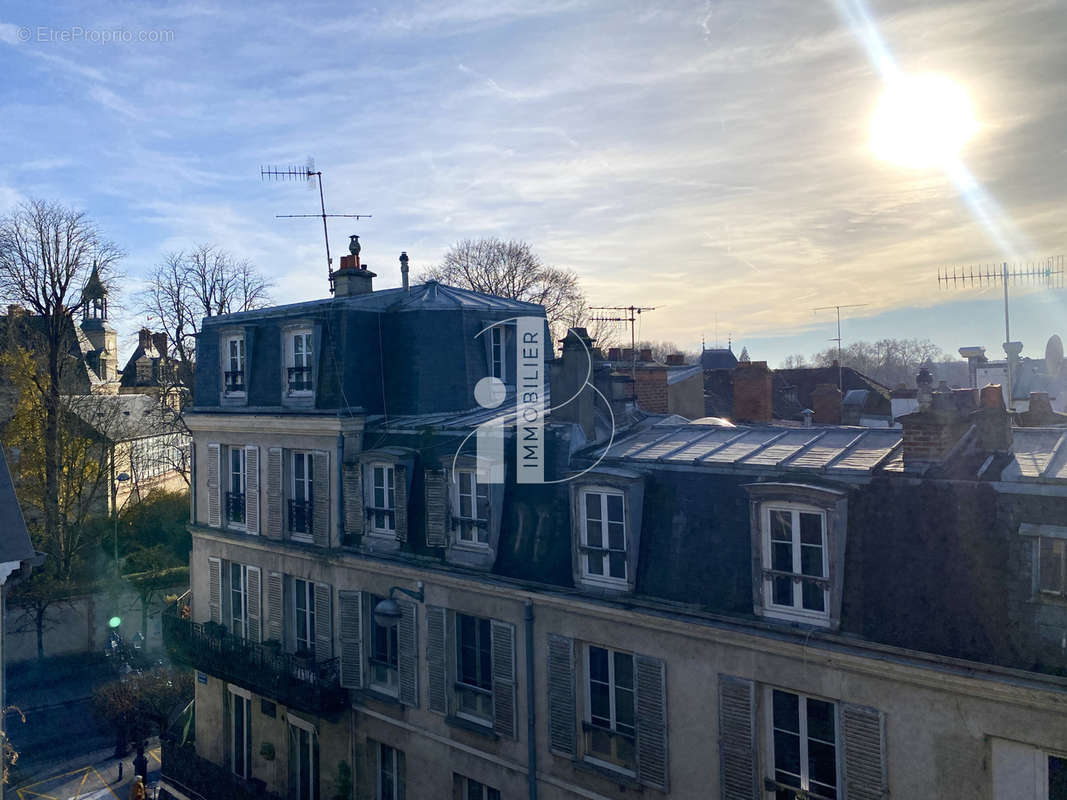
{"x":307,"y":173}
{"x":840,"y":370}
{"x":633,"y":312}
{"x":1047,"y":274}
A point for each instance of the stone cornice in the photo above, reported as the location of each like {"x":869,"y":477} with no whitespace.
{"x":298,"y":424}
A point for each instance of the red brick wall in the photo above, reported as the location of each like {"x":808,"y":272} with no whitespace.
{"x":652,"y":390}
{"x":753,"y":392}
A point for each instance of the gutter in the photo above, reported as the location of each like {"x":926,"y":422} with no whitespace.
{"x":531,"y":705}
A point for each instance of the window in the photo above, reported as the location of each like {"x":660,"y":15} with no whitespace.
{"x":234,"y":372}
{"x":390,"y":773}
{"x":474,"y":668}
{"x":496,"y":347}
{"x":384,"y":649}
{"x":1057,"y":777}
{"x":303,"y":760}
{"x":609,"y":719}
{"x":235,"y":492}
{"x":300,"y":363}
{"x":472,"y":507}
{"x":383,"y":499}
{"x":795,"y":562}
{"x":300,"y":502}
{"x":304,"y":615}
{"x":240,"y":730}
{"x":470,"y":789}
{"x":804,"y":744}
{"x":239,"y":600}
{"x":603,"y":546}
{"x":1052,"y":566}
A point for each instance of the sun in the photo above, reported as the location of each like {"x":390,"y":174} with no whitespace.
{"x":922,"y":121}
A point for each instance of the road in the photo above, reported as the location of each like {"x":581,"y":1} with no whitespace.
{"x":95,"y":781}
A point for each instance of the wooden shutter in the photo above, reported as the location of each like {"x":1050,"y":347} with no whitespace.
{"x":323,"y":623}
{"x":353,"y":476}
{"x":400,"y":490}
{"x":254,"y":601}
{"x":864,"y":739}
{"x":561,"y":703}
{"x":652,"y":763}
{"x":408,"y":654}
{"x":437,"y":658}
{"x":737,"y":739}
{"x":214,"y":590}
{"x":350,"y":607}
{"x":320,"y":490}
{"x":251,"y":489}
{"x":275,"y":619}
{"x":503,"y":655}
{"x":273,"y":528}
{"x":436,"y":508}
{"x":214,"y":487}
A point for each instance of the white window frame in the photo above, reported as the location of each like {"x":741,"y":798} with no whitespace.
{"x":305,"y":337}
{"x":805,"y":778}
{"x":583,"y":556}
{"x":243,"y":473}
{"x":309,"y":729}
{"x":588,"y":698}
{"x":241,"y":359}
{"x":469,"y":524}
{"x":481,"y":719}
{"x":238,"y":621}
{"x":796,"y":612}
{"x":1057,"y":543}
{"x":388,"y":490}
{"x":392,"y":686}
{"x":234,"y":694}
{"x":306,"y":589}
{"x":394,"y":755}
{"x":309,"y":489}
{"x":498,"y":363}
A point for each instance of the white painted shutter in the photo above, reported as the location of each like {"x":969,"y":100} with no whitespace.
{"x":254,"y":601}
{"x":503,"y":655}
{"x":737,"y":739}
{"x":561,"y":702}
{"x":353,"y":476}
{"x":437,"y":658}
{"x":275,"y":618}
{"x":214,"y":590}
{"x":864,"y":738}
{"x":350,"y":608}
{"x":275,"y":513}
{"x":251,"y":489}
{"x":323,"y":623}
{"x":400,"y":489}
{"x":408,"y":654}
{"x":320,"y":526}
{"x":214,"y":488}
{"x":652,"y":763}
{"x":436,"y":484}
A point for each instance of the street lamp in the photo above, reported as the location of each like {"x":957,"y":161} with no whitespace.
{"x":122,"y":477}
{"x":387,"y":612}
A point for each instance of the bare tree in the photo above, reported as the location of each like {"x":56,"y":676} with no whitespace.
{"x":888,"y":361}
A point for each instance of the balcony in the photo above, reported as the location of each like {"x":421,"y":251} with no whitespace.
{"x":235,"y":507}
{"x":300,"y":683}
{"x":299,"y":379}
{"x":197,"y":777}
{"x":234,"y":381}
{"x":301,"y":516}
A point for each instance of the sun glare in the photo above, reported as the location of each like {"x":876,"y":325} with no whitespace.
{"x":922,"y":121}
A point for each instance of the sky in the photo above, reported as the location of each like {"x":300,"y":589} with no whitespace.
{"x":709,"y":158}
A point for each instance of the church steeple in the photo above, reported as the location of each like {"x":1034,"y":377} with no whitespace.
{"x":94,"y":297}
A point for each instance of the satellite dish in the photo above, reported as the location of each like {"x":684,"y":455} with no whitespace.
{"x":1054,"y":356}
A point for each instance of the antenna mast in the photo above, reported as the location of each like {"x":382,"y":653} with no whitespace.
{"x":634,"y":313}
{"x":1047,"y":274}
{"x":840,"y":369}
{"x":306,"y":173}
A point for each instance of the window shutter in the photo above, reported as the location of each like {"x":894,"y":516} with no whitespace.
{"x":400,"y":488}
{"x":503,"y":654}
{"x":320,"y":490}
{"x":214,"y":499}
{"x":252,"y":584}
{"x":408,"y":655}
{"x":436,"y":508}
{"x":353,"y":474}
{"x":561,"y":708}
{"x":437,"y":658}
{"x":275,"y":629}
{"x":274,"y":493}
{"x":214,"y":590}
{"x":864,"y":738}
{"x":323,"y":626}
{"x":251,"y":489}
{"x":350,"y":607}
{"x":737,"y":739}
{"x":652,"y":763}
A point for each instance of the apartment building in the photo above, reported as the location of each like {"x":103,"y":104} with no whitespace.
{"x":679,"y":610}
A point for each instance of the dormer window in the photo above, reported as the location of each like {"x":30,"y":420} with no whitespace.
{"x":471,"y":503}
{"x":603,"y":547}
{"x":234,"y":373}
{"x":496,"y":353}
{"x":382,"y":510}
{"x":300,"y":359}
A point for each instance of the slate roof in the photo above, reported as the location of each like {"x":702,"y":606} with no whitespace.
{"x":14,"y":538}
{"x":122,"y":417}
{"x":718,"y":359}
{"x":1039,"y":455}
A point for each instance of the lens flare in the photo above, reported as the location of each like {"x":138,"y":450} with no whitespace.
{"x":922,"y":121}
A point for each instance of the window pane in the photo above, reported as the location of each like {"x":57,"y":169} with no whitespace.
{"x":592,"y":505}
{"x":598,"y":664}
{"x":786,"y":754}
{"x":783,"y":591}
{"x":599,"y":704}
{"x":810,"y":560}
{"x":1057,"y":778}
{"x":624,"y":711}
{"x":1051,"y":567}
{"x":594,"y":563}
{"x":615,"y":508}
{"x":624,"y":670}
{"x":617,"y":564}
{"x":813,"y":597}
{"x":485,"y":672}
{"x":781,"y":525}
{"x":786,"y":711}
{"x":822,"y":764}
{"x":811,"y":528}
{"x":616,"y":537}
{"x":821,"y":721}
{"x":465,"y":506}
{"x":782,"y":556}
{"x":593,"y":536}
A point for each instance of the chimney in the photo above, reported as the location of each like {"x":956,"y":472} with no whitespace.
{"x":567,"y":376}
{"x":352,"y":278}
{"x":645,"y":355}
{"x":974,"y":356}
{"x":992,"y":420}
{"x":752,"y":392}
{"x":807,"y":414}
{"x":826,"y":400}
{"x":627,"y":354}
{"x":160,"y":341}
{"x":144,"y":339}
{"x":943,"y":418}
{"x":1040,"y":412}
{"x":676,"y":360}
{"x":614,"y":354}
{"x":404,"y":270}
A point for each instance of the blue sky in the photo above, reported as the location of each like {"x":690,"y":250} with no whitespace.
{"x":709,"y":158}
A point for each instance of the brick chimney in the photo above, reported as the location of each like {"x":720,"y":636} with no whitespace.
{"x":1040,"y":412}
{"x":932,"y":432}
{"x":160,"y":341}
{"x":614,"y":354}
{"x":992,"y":420}
{"x":826,"y":400}
{"x":652,"y":392}
{"x":645,"y":355}
{"x":753,"y":383}
{"x":676,"y":360}
{"x":567,"y":375}
{"x":144,"y":339}
{"x":352,"y":278}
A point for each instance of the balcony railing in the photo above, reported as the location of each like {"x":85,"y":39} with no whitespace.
{"x":301,"y":683}
{"x":301,"y":516}
{"x":235,"y":380}
{"x":299,"y":379}
{"x":197,"y":777}
{"x":235,"y":507}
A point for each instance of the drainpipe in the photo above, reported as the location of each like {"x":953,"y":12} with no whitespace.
{"x":340,"y":488}
{"x":531,"y":721}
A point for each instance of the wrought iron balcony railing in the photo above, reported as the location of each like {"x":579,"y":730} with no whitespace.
{"x":234,"y":380}
{"x":301,"y":516}
{"x":235,"y":507}
{"x":299,"y":379}
{"x":197,"y":777}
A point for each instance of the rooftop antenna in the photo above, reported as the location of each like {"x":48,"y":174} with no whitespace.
{"x":307,"y":173}
{"x":1046,"y":273}
{"x":840,"y":369}
{"x":633,"y":313}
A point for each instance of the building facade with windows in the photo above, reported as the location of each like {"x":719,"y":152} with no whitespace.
{"x":696,"y":610}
